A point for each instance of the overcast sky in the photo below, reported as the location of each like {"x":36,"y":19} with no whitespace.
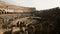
{"x":38,"y":4}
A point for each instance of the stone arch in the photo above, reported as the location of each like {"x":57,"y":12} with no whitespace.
{"x":27,"y":21}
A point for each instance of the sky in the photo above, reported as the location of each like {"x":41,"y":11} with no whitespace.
{"x":38,"y":4}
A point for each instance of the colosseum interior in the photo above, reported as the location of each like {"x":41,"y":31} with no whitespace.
{"x":27,"y":20}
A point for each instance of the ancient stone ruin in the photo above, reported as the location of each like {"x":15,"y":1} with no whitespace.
{"x":29,"y":21}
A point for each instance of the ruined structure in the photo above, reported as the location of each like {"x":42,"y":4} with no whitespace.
{"x":29,"y":21}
